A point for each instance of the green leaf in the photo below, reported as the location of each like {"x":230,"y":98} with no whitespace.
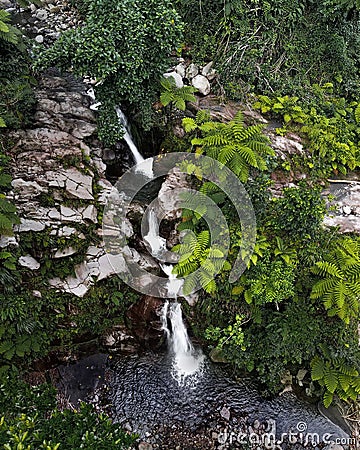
{"x":317,"y":369}
{"x":328,"y":398}
{"x":331,"y":380}
{"x":248,"y":296}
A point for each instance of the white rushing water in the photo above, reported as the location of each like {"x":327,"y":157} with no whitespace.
{"x":187,"y":362}
{"x":156,"y":242}
{"x":145,"y":166}
{"x":173,"y":285}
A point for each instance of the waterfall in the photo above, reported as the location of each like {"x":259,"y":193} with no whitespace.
{"x":156,"y":242}
{"x":145,"y":165}
{"x":173,"y":285}
{"x":187,"y":362}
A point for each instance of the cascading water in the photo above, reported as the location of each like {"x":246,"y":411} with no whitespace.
{"x":187,"y":362}
{"x":173,"y":285}
{"x":156,"y":242}
{"x":144,"y":165}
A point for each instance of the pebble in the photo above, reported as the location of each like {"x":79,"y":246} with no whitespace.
{"x":145,"y":446}
{"x":42,"y":14}
{"x":225,"y":413}
{"x":39,"y":38}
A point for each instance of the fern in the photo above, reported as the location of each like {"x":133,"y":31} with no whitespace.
{"x":232,"y":144}
{"x":171,"y":94}
{"x":339,"y":287}
{"x":8,"y":33}
{"x":335,"y":376}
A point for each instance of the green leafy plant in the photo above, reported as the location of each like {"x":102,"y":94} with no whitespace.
{"x":300,"y":212}
{"x":126,"y":47}
{"x":199,"y":261}
{"x":232,"y":144}
{"x":336,"y":377}
{"x":8,"y":33}
{"x":16,"y":95}
{"x":339,"y":287}
{"x":286,"y":107}
{"x":173,"y":95}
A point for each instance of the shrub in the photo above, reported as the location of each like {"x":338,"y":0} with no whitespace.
{"x":124,"y":45}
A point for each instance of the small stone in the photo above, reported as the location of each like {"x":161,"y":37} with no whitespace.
{"x":177,"y":78}
{"x":39,"y":38}
{"x":41,"y":14}
{"x":36,"y":294}
{"x":29,"y":262}
{"x":202,"y":84}
{"x":206,"y":69}
{"x":225,"y":413}
{"x":145,"y":446}
{"x":192,"y":71}
{"x":347,"y":210}
{"x":180,"y":69}
{"x":68,"y":251}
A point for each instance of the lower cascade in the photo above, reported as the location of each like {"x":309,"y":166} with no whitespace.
{"x":187,"y":362}
{"x":182,"y":392}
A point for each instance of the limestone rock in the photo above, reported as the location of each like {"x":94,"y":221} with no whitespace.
{"x":68,"y":251}
{"x":78,"y":284}
{"x":111,"y":265}
{"x":192,"y":71}
{"x":29,"y":262}
{"x":202,"y":84}
{"x":180,"y":69}
{"x":29,"y":225}
{"x":286,"y":145}
{"x":119,"y":340}
{"x":27,"y":189}
{"x":177,"y":78}
{"x":208,"y":71}
{"x":168,"y":196}
{"x":78,"y":184}
{"x":8,"y":240}
{"x":90,"y":213}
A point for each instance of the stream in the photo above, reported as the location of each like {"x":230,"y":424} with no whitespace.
{"x":181,"y":389}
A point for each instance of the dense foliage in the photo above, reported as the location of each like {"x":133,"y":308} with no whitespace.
{"x":297,"y":305}
{"x":126,"y":47}
{"x":29,"y":420}
{"x":280,"y":46}
{"x":16,"y":93}
{"x":272,"y":320}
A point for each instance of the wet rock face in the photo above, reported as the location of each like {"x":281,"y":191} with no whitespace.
{"x":59,"y":185}
{"x":143,"y":320}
